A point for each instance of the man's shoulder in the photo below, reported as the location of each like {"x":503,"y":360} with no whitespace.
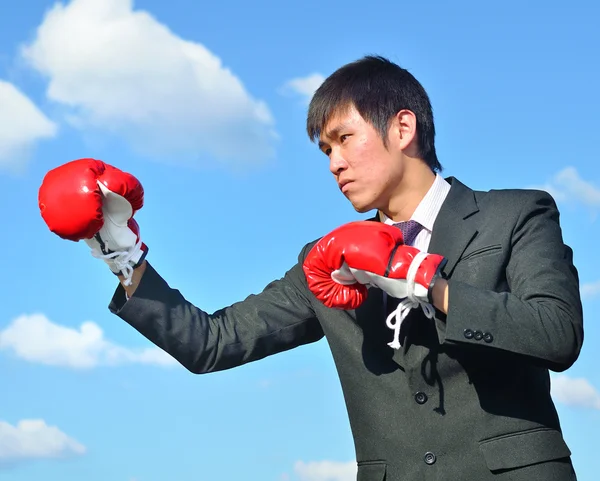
{"x":307,"y":248}
{"x":512,"y":198}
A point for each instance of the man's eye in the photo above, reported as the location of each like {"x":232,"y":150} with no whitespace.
{"x":327,"y":152}
{"x":343,"y":137}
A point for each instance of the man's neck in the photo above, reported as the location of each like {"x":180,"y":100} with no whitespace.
{"x":409,"y":194}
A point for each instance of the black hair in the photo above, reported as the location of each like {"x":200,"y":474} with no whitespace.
{"x":378,"y":89}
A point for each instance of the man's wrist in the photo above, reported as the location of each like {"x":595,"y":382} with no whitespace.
{"x":439,"y":294}
{"x":136,"y":277}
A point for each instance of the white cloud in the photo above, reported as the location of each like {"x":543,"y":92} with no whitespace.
{"x":304,"y":86}
{"x":326,"y":471}
{"x":577,"y":392}
{"x":34,"y":439}
{"x":591,"y":289}
{"x":123,"y":72}
{"x":35,"y":339}
{"x":23,"y":125}
{"x":567,"y":185}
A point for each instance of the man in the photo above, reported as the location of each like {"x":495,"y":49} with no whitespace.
{"x":443,"y":330}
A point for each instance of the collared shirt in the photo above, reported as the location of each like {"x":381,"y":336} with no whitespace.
{"x":426,"y":212}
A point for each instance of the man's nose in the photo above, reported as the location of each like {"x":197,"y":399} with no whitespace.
{"x":336,"y":162}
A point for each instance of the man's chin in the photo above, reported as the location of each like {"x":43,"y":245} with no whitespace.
{"x":361,"y":207}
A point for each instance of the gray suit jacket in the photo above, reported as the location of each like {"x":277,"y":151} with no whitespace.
{"x":468,"y":395}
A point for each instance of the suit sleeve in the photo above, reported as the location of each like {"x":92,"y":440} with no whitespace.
{"x":277,"y":319}
{"x":541,"y":317}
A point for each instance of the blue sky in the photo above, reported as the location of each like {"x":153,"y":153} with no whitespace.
{"x":234,"y":189}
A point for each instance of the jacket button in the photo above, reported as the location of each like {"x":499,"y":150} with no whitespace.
{"x":478,"y":336}
{"x":487,"y":337}
{"x":421,"y":397}
{"x":429,"y":458}
{"x":468,"y":333}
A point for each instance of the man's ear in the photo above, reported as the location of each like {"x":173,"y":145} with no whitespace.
{"x":404,"y":128}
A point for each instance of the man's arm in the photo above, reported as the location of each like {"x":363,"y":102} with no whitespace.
{"x":279,"y":318}
{"x":541,"y":317}
{"x":90,"y":200}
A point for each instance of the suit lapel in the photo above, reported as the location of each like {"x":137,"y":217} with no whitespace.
{"x":456,"y":224}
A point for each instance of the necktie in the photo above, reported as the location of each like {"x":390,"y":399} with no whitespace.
{"x":410,"y":230}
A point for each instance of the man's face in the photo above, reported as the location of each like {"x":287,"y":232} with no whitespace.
{"x":365,"y":170}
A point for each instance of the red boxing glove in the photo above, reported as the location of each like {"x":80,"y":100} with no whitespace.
{"x":341,"y":266}
{"x":90,"y":200}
